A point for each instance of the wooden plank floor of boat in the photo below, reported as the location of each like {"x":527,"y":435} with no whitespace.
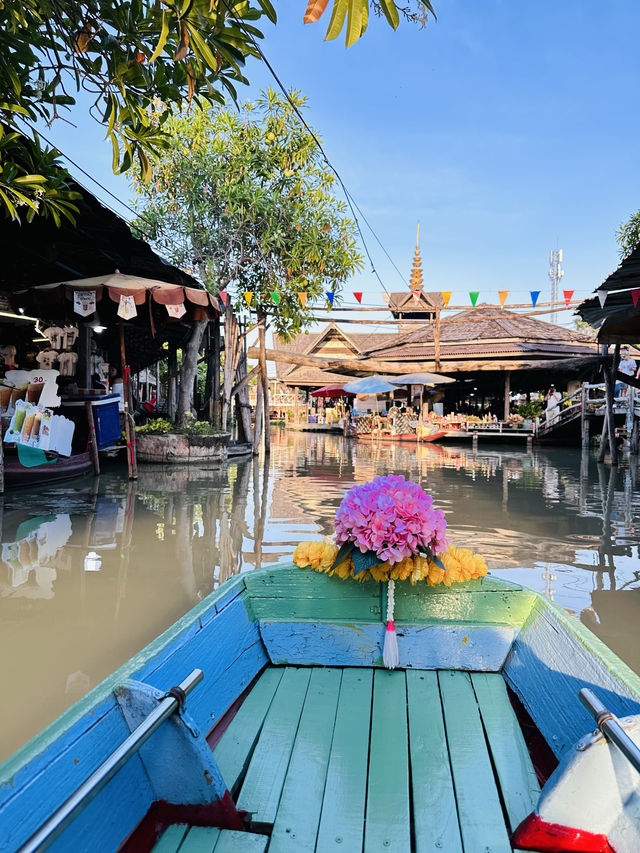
{"x":330,"y":760}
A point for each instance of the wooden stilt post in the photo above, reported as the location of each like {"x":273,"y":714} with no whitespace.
{"x":265,"y":382}
{"x":93,"y":444}
{"x":132,"y":463}
{"x":1,"y":465}
{"x":172,"y":382}
{"x":584,"y":420}
{"x":257,"y":427}
{"x":609,"y":373}
{"x":507,"y":391}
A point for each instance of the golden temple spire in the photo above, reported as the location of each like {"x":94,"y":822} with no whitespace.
{"x":415,"y":281}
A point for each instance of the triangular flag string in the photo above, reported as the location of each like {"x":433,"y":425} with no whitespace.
{"x":635,"y":293}
{"x":358,"y":295}
{"x":567,"y":296}
{"x":302,"y":296}
{"x":534,"y":297}
{"x":275,"y":296}
{"x":446,"y":296}
{"x":248,"y":296}
{"x":473,"y":296}
{"x":602,"y":297}
{"x":503,"y":297}
{"x":330,"y":296}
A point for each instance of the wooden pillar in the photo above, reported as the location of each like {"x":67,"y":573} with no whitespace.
{"x":132,"y":463}
{"x":215,"y":373}
{"x":83,"y":371}
{"x":265,"y":382}
{"x":172,"y":382}
{"x":584,"y":420}
{"x":436,"y":341}
{"x":257,"y":426}
{"x":1,"y":465}
{"x":93,"y":444}
{"x":609,"y":373}
{"x":635,"y":436}
{"x":507,"y":391}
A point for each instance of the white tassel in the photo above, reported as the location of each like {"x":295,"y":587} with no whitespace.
{"x":390,"y":656}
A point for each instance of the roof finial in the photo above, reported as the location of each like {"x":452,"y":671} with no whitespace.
{"x":415,"y":281}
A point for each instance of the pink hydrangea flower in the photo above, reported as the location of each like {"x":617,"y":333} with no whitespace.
{"x":391,"y":516}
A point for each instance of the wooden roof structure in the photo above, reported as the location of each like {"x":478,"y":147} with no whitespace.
{"x":616,"y":311}
{"x":488,"y":338}
{"x":331,"y":343}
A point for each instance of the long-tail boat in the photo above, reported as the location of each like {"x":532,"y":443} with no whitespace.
{"x":265,"y":720}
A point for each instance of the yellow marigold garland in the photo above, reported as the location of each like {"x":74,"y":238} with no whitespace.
{"x":460,"y":564}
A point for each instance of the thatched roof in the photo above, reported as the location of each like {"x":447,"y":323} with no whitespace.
{"x":486,"y":333}
{"x":618,"y":319}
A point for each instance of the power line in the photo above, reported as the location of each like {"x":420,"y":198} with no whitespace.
{"x":350,"y":201}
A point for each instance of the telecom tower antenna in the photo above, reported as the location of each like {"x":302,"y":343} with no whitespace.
{"x":555,"y":274}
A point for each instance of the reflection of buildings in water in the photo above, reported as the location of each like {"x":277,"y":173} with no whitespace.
{"x":609,"y":617}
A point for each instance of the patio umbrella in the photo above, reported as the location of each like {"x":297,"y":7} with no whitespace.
{"x":332,"y":391}
{"x":421,"y":379}
{"x":370,"y":385}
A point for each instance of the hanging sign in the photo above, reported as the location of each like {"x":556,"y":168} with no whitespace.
{"x":635,"y":293}
{"x":446,"y":296}
{"x":534,"y":296}
{"x":248,"y":296}
{"x":358,"y":295}
{"x":330,"y":296}
{"x":176,"y":311}
{"x":275,"y":296}
{"x":127,"y":307}
{"x":602,"y":297}
{"x":84,"y":302}
{"x":473,"y":296}
{"x":503,"y":297}
{"x":567,"y":296}
{"x":303,"y":298}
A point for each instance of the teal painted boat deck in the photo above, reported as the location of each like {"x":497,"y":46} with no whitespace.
{"x":369,"y":761}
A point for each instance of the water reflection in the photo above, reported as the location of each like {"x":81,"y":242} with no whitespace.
{"x":89,"y":574}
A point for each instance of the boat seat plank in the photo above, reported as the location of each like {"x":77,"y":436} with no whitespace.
{"x":231,"y":841}
{"x":435,"y":815}
{"x":200,"y":839}
{"x":518,"y":781}
{"x":387,"y":828}
{"x":171,"y":839}
{"x":482,"y":823}
{"x":262,"y":786}
{"x":296,"y":824}
{"x":342,"y":819}
{"x":234,"y":749}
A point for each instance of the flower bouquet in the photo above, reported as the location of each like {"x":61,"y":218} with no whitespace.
{"x":389,"y":530}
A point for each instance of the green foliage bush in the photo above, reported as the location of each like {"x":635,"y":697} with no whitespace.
{"x":532,"y":409}
{"x":161,"y":426}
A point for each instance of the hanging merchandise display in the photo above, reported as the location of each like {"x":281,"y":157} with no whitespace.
{"x":84,"y":302}
{"x":70,"y":336}
{"x":56,"y":336}
{"x":127,"y":307}
{"x":47,"y":359}
{"x":67,"y":362}
{"x":176,"y":311}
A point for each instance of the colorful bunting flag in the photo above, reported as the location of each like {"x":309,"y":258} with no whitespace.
{"x":635,"y":293}
{"x":127,"y":308}
{"x":84,"y":302}
{"x":416,"y":295}
{"x":358,"y":295}
{"x":330,"y":296}
{"x":248,"y":296}
{"x":275,"y":296}
{"x":534,"y":296}
{"x":303,"y":298}
{"x":223,"y":297}
{"x":473,"y":296}
{"x":602,"y":297}
{"x":446,"y":296}
{"x":567,"y":296}
{"x":503,"y":297}
{"x":176,"y":311}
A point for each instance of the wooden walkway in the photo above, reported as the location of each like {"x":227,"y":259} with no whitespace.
{"x":369,"y":761}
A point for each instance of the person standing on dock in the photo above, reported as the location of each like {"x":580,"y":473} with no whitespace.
{"x":628,"y":367}
{"x":552,"y":399}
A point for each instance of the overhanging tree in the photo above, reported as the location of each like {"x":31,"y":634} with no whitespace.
{"x":247,"y":199}
{"x":129,"y":56}
{"x":628,"y":235}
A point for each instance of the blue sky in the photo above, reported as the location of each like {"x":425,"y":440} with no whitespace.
{"x":506,"y":128}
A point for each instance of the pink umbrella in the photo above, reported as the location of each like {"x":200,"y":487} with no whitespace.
{"x":332,"y":391}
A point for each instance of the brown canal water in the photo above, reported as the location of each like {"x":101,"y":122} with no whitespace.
{"x":91,"y":571}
